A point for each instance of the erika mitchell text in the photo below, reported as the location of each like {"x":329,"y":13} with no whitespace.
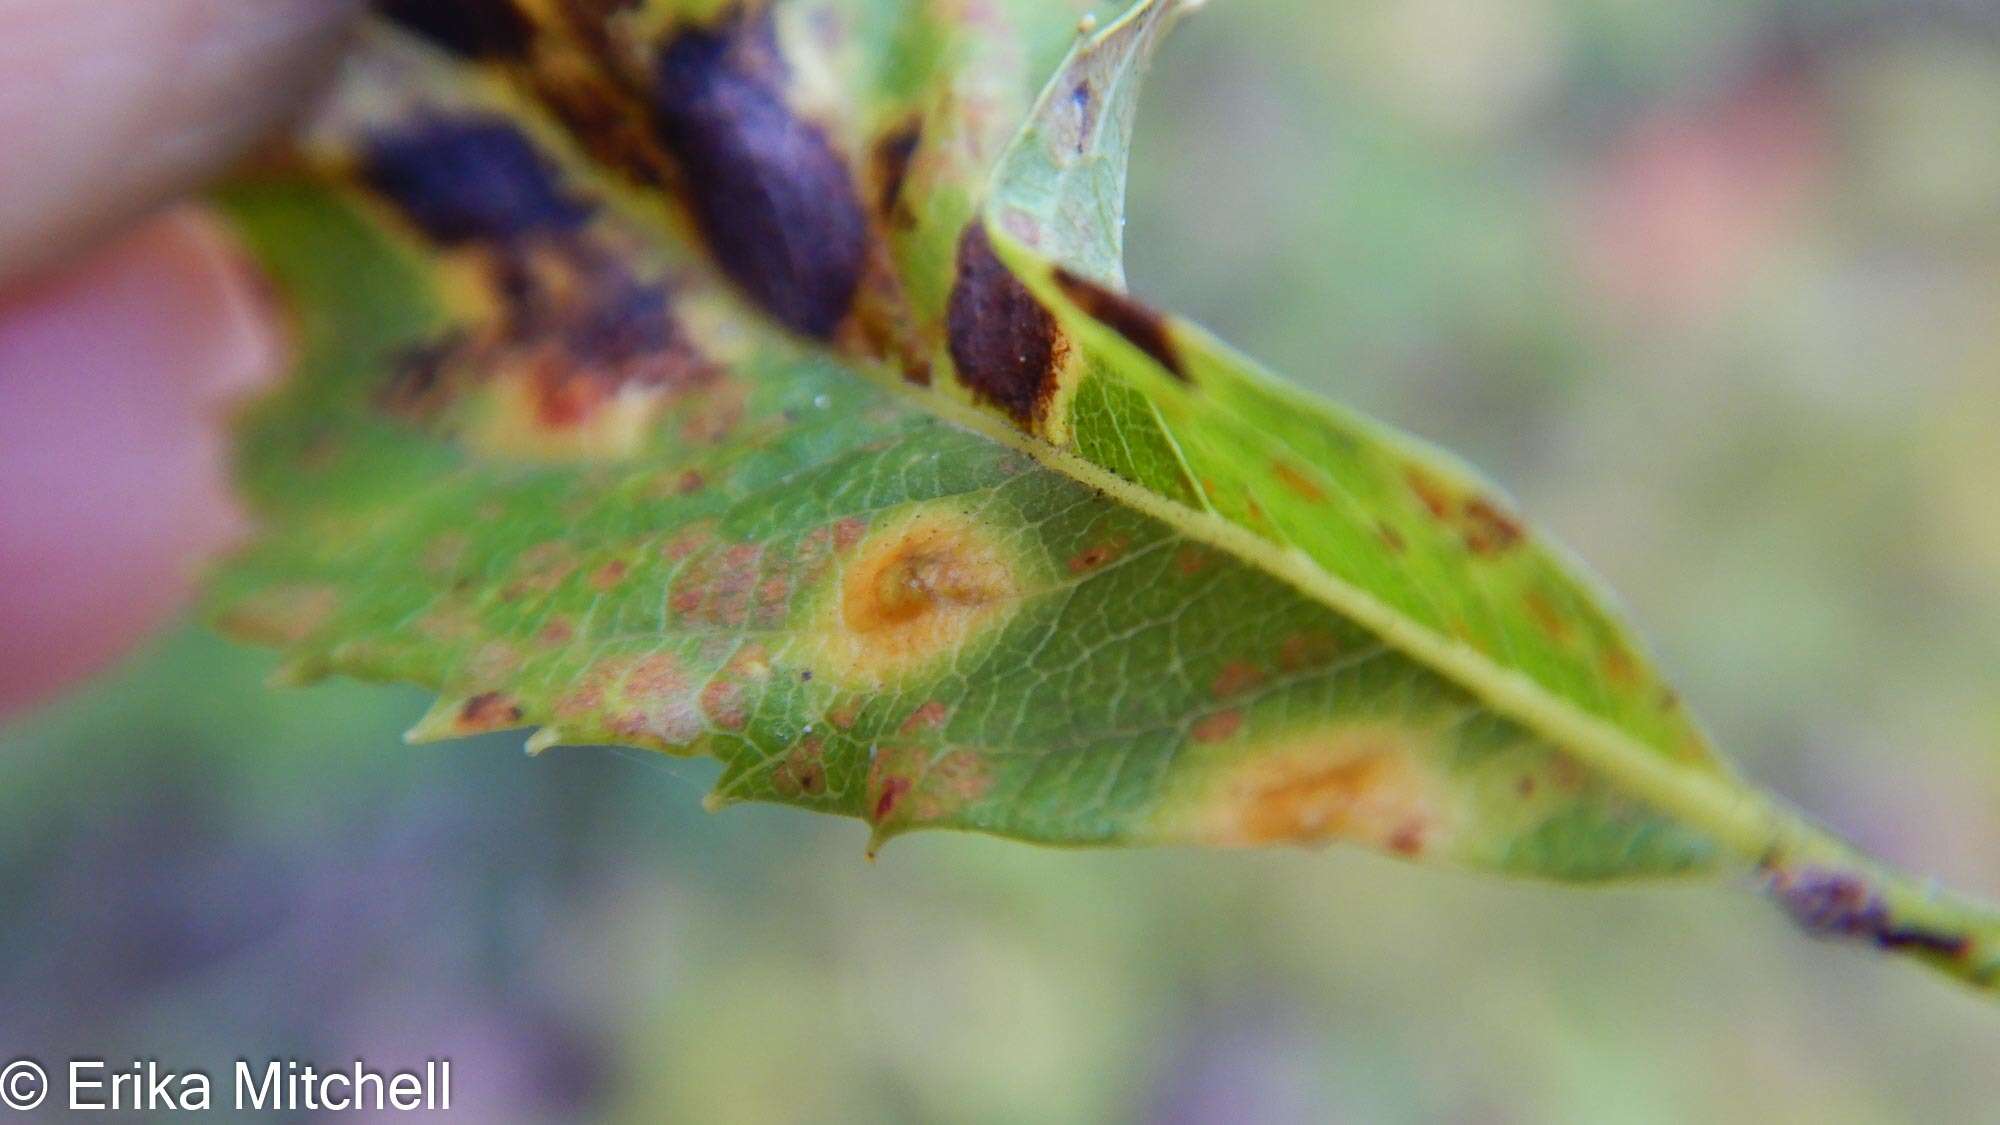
{"x":276,"y":1084}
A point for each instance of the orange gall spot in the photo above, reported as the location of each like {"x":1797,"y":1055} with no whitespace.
{"x":912,"y":595}
{"x":1364,"y":784}
{"x":1369,"y":798}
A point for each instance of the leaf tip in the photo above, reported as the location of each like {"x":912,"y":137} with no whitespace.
{"x":437,"y":724}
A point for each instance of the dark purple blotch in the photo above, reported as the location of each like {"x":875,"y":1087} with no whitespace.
{"x":776,"y":204}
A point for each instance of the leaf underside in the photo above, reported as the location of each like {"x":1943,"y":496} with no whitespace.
{"x":758,"y":381}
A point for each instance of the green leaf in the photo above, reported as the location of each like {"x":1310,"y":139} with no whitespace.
{"x":759,"y":383}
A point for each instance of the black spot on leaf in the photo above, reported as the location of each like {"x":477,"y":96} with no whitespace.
{"x":1004,"y":343}
{"x":466,"y":178}
{"x":774,"y":200}
{"x":1144,"y":328}
{"x":474,"y":29}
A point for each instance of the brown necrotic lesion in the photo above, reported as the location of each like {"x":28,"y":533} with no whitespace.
{"x":1005,"y":347}
{"x":562,"y":343}
{"x":1142,"y":326}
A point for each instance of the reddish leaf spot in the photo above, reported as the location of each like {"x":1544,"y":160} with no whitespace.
{"x":1308,"y":648}
{"x":1235,"y":678}
{"x":802,"y":771}
{"x":1298,"y":482}
{"x":1098,"y":555}
{"x":915,"y":785}
{"x":1218,"y":726}
{"x":1488,"y":530}
{"x":1430,"y":492}
{"x":686,"y":542}
{"x":1545,"y":616}
{"x":609,"y":575}
{"x":931,"y":716}
{"x":891,"y":791}
{"x":487,"y":711}
{"x":848,"y":531}
{"x":539,"y":570}
{"x":722,"y":702}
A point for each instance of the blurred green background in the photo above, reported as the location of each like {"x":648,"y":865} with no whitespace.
{"x":1712,"y":286}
